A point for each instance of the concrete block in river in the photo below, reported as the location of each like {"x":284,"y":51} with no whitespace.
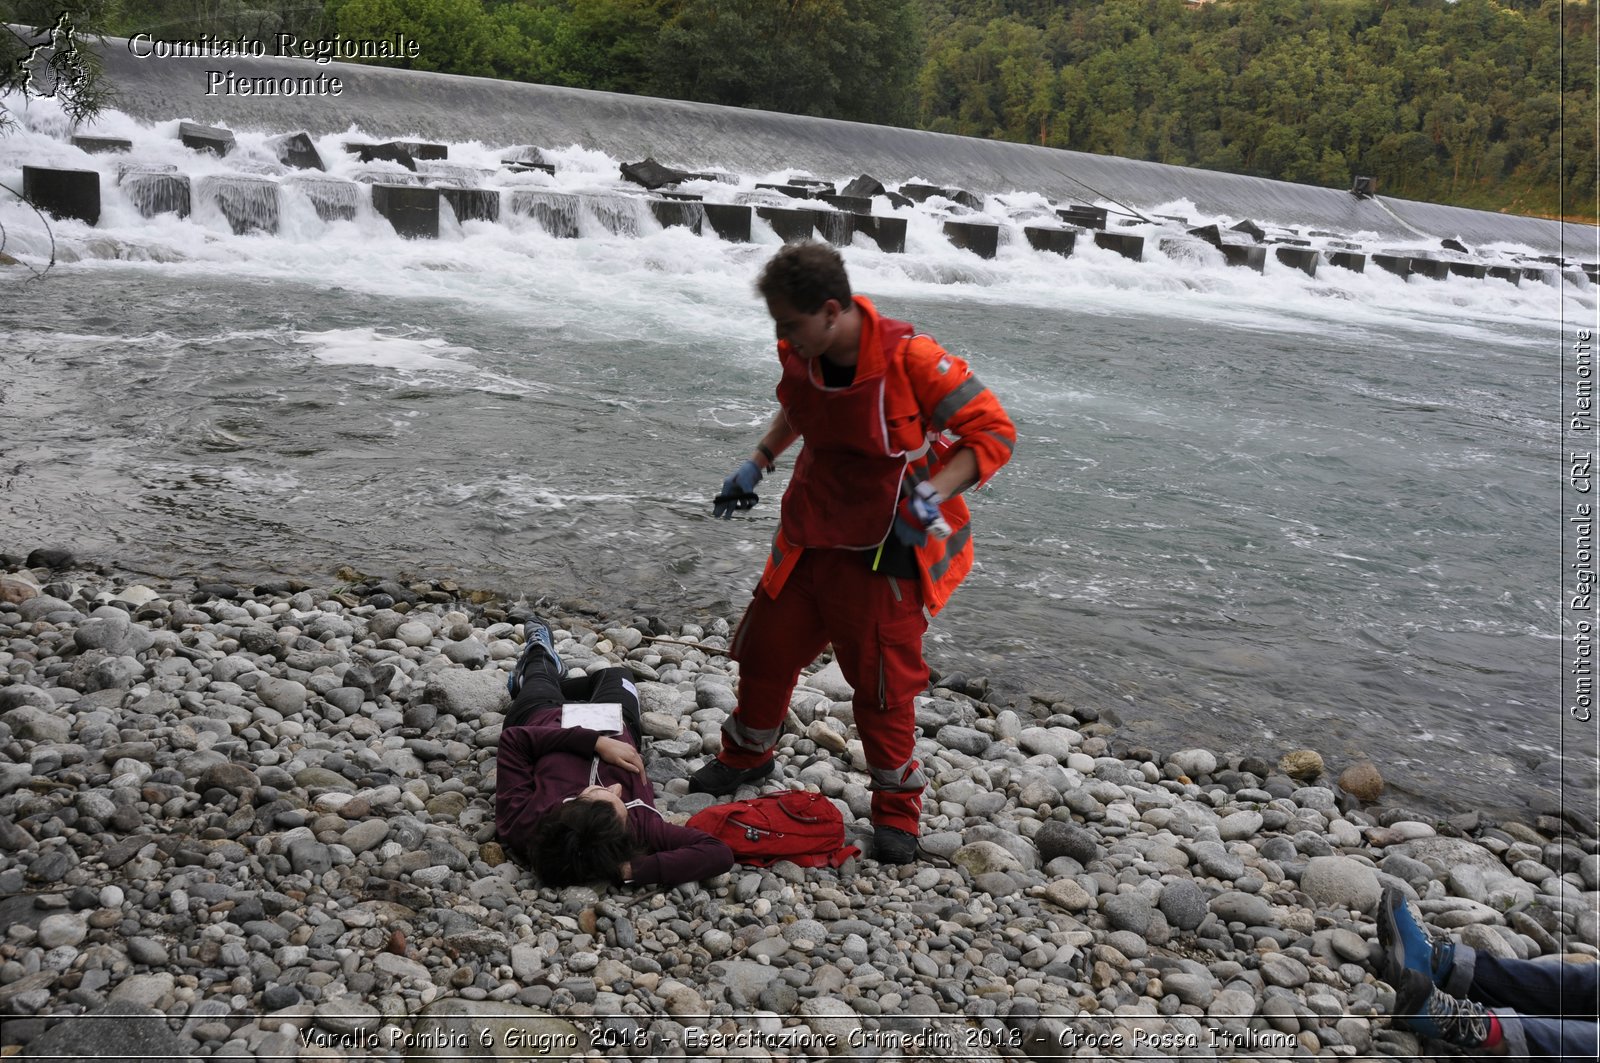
{"x":250,"y":204}
{"x":1061,"y":241}
{"x":816,"y":184}
{"x":387,"y":177}
{"x":1300,"y":258}
{"x":620,"y":215}
{"x":63,"y":193}
{"x":1125,"y":244}
{"x":982,"y":240}
{"x":788,"y":223}
{"x":526,"y":158}
{"x":669,"y":212}
{"x":652,"y":175}
{"x":1474,"y":270}
{"x":420,"y":149}
{"x":1247,"y":255}
{"x":888,"y":233}
{"x":792,"y":191}
{"x":382,"y":152}
{"x":1211,"y":234}
{"x":198,"y":137}
{"x":1083,"y":217}
{"x":920,"y":193}
{"x":1399,"y":265}
{"x":865,"y":186}
{"x":1251,"y":229}
{"x":556,"y":212}
{"x":473,"y":204}
{"x":296,"y":150}
{"x":834,"y":226}
{"x":414,"y":212}
{"x":156,"y":193}
{"x":731,"y":221}
{"x":1432,"y":268}
{"x":102,"y":145}
{"x":1541,"y":276}
{"x":332,"y":198}
{"x":1506,"y":273}
{"x":853,"y":204}
{"x":1350,"y":260}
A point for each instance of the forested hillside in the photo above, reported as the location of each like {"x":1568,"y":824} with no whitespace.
{"x":1482,"y":103}
{"x":1459,"y":103}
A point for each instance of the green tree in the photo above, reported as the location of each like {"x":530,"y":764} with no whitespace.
{"x":852,"y":59}
{"x":453,"y":36}
{"x":56,"y":59}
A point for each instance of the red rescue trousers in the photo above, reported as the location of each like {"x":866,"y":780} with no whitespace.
{"x":876,"y":624}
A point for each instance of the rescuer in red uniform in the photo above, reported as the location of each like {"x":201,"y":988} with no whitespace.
{"x":872,"y":536}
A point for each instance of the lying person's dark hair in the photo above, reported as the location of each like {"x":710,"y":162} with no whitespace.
{"x":582,"y":841}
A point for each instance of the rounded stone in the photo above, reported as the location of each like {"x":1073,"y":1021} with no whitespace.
{"x":982,"y":857}
{"x":284,"y":695}
{"x":1127,"y":911}
{"x":1341,"y":882}
{"x":1239,"y":826}
{"x":413,"y":633}
{"x":1056,"y":838}
{"x":61,"y":929}
{"x":1362,"y":781}
{"x":148,"y":952}
{"x":1183,"y":902}
{"x":1302,"y":764}
{"x":1194,"y":762}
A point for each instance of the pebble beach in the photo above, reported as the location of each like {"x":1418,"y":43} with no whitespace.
{"x":256,"y":822}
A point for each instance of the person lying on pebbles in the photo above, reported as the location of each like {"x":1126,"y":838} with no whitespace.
{"x":576,"y":803}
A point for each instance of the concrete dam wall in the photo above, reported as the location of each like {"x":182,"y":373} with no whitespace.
{"x":401,"y":103}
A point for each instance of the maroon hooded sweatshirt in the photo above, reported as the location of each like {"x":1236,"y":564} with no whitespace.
{"x":541,"y":764}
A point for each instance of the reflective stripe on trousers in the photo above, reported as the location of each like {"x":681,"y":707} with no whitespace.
{"x":907,"y":778}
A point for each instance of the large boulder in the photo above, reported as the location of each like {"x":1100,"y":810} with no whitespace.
{"x":652,"y":175}
{"x":296,"y":149}
{"x":120,"y":1029}
{"x":1340,"y":882}
{"x":467,"y":695}
{"x":494,"y":1030}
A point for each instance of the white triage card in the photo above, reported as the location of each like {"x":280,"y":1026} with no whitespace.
{"x":602,"y":716}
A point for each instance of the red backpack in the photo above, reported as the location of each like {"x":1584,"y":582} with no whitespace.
{"x":800,"y":826}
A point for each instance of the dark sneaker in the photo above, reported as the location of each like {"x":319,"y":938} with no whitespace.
{"x":891,"y":845}
{"x":715,"y":777}
{"x":1430,"y":1011}
{"x":1406,"y":945}
{"x":536,"y":633}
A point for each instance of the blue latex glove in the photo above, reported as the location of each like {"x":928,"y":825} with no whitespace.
{"x":919,"y":516}
{"x":738,"y":490}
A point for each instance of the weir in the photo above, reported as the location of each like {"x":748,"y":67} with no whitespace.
{"x":403,"y":104}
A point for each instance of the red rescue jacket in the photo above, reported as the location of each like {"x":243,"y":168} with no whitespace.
{"x":864,"y":440}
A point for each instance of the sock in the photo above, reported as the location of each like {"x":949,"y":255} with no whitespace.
{"x":1493,"y":1040}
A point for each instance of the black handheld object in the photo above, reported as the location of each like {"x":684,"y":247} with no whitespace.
{"x":727,"y":504}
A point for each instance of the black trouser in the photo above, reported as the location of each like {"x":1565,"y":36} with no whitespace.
{"x":543,"y":688}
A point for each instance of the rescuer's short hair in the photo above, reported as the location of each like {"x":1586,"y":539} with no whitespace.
{"x":805,"y":275}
